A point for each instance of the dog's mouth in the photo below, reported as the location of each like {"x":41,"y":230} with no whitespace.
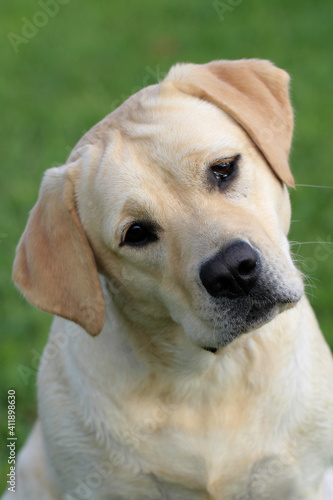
{"x":210,"y":349}
{"x":261,"y":313}
{"x":250,"y":318}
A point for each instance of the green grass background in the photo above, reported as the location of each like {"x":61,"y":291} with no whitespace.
{"x":88,"y":58}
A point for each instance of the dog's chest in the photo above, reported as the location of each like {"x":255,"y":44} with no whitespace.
{"x":205,"y":455}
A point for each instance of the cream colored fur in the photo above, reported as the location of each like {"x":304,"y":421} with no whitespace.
{"x":141,"y":411}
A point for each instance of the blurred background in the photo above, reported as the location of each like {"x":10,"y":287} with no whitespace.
{"x":65,"y":64}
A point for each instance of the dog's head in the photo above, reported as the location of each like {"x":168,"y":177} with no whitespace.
{"x":179,"y":199}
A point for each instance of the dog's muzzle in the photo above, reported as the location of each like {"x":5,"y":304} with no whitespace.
{"x":232,"y":278}
{"x":245,"y":292}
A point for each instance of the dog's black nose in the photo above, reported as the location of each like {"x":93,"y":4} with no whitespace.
{"x":232,"y":272}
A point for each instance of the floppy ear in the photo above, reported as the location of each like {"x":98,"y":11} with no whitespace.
{"x":255,"y":93}
{"x":54,"y":266}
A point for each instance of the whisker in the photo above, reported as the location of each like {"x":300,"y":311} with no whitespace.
{"x":311,"y":242}
{"x":312,"y":295}
{"x":312,"y":278}
{"x":310,"y":286}
{"x":308,"y":282}
{"x":313,"y":186}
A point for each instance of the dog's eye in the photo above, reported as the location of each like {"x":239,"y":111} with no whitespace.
{"x":139,"y":234}
{"x":224,"y":170}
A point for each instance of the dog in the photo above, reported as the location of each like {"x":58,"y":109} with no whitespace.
{"x":184,"y":360}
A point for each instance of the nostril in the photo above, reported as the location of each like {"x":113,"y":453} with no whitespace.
{"x":246,"y":267}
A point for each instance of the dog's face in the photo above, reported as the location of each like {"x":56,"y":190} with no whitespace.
{"x":185,"y":218}
{"x":188,"y":220}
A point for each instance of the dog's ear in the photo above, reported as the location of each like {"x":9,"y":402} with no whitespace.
{"x":255,"y":93}
{"x":54,"y":266}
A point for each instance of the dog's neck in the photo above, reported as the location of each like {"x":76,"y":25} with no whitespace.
{"x":152,"y":337}
{"x":170,"y":359}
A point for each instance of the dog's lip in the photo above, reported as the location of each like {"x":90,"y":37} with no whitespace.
{"x":260,"y":308}
{"x":210,"y":349}
{"x":257,"y":313}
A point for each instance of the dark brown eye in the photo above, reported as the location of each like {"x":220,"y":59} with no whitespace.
{"x":224,"y":169}
{"x":139,"y":234}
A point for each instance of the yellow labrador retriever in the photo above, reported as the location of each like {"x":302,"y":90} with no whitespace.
{"x":184,"y":361}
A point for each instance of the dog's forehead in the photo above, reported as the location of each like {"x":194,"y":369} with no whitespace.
{"x":167,"y":127}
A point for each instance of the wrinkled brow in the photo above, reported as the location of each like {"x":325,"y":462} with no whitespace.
{"x":206,"y":155}
{"x":138,"y":209}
